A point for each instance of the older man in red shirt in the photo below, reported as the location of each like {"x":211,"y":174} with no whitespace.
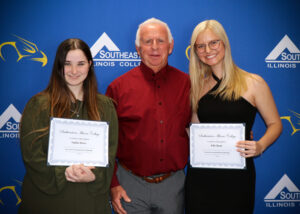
{"x":152,"y":103}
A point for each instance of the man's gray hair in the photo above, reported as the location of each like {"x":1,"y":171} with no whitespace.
{"x":152,"y":21}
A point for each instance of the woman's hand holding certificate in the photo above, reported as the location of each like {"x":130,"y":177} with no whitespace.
{"x":80,"y":173}
{"x":249,"y":148}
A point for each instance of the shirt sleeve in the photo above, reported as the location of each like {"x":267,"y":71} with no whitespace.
{"x":34,"y":132}
{"x":189,"y":107}
{"x":104,"y":174}
{"x":111,"y":92}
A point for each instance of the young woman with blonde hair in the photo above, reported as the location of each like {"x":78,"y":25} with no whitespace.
{"x":221,"y":92}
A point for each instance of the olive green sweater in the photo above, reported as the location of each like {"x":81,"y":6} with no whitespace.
{"x":45,"y":189}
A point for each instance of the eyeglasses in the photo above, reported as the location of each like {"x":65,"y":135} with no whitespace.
{"x":214,"y":44}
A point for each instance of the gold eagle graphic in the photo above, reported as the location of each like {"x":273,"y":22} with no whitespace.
{"x":13,"y":189}
{"x":288,"y":118}
{"x":30,"y":49}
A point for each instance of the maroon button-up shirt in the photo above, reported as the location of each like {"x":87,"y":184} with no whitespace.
{"x":153,"y":111}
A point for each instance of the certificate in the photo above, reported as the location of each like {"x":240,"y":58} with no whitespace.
{"x":74,"y":141}
{"x":213,"y":145}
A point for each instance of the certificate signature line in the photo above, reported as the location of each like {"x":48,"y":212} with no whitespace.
{"x":83,"y":150}
{"x":217,"y":152}
{"x":216,"y":141}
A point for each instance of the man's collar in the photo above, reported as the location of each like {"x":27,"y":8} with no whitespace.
{"x":151,"y":75}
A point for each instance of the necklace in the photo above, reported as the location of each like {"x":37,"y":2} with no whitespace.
{"x":77,"y":109}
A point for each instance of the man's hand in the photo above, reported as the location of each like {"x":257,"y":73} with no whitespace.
{"x":117,"y":193}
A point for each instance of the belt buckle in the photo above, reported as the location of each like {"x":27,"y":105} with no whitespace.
{"x":157,"y":179}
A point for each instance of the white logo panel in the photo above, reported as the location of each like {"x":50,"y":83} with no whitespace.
{"x":103,"y":41}
{"x":284,"y":194}
{"x":285,"y":55}
{"x":11,"y":129}
{"x":112,"y":55}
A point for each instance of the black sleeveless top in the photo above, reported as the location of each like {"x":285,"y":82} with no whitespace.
{"x":222,"y":190}
{"x":213,"y":109}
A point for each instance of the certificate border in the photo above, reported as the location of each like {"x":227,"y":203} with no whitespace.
{"x":64,"y":162}
{"x":199,"y":164}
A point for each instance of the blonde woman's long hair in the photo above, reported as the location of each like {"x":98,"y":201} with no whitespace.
{"x":233,"y":82}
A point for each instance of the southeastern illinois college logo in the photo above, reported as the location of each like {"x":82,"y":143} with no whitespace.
{"x":106,"y":54}
{"x":284,"y":55}
{"x":9,"y":123}
{"x":284,"y":194}
{"x":29,"y":50}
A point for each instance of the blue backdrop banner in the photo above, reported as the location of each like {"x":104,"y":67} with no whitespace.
{"x":264,"y":37}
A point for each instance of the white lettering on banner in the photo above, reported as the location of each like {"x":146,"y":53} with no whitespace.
{"x":12,"y":126}
{"x":129,"y":64}
{"x":113,"y":56}
{"x":281,"y":65}
{"x":9,"y":135}
{"x":9,"y":129}
{"x":118,"y":55}
{"x":284,"y":194}
{"x":289,"y":195}
{"x":284,"y":55}
{"x":105,"y":64}
{"x":280,"y":204}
